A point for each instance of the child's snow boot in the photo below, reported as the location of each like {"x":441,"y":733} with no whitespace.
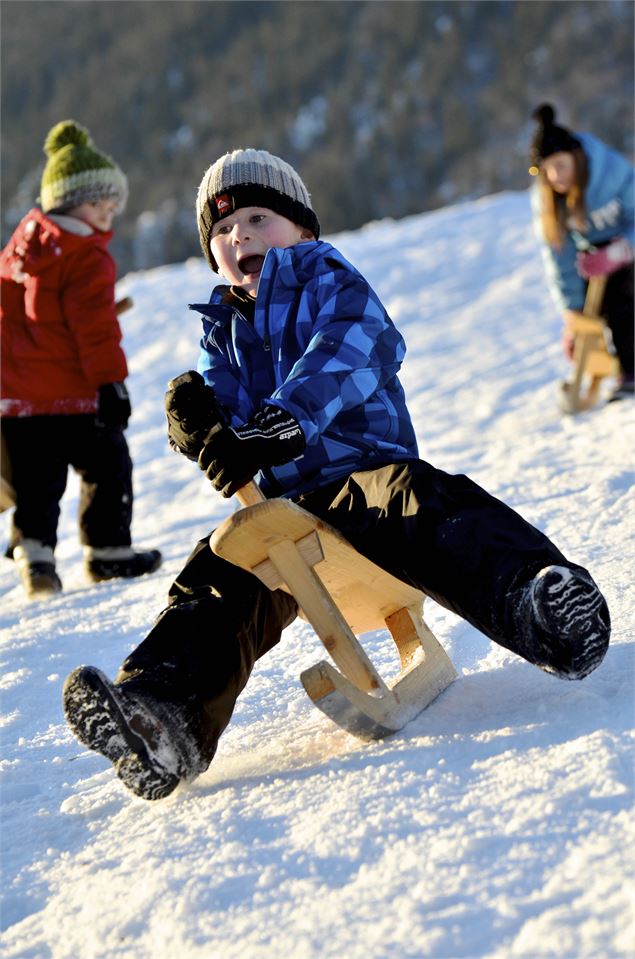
{"x":149,"y":742}
{"x":570,"y":609}
{"x":35,"y":563}
{"x":113,"y":562}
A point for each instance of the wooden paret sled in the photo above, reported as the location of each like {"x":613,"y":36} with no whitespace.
{"x":342,"y":595}
{"x":591,"y":358}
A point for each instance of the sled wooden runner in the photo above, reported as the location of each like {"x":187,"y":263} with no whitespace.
{"x":342,"y":595}
{"x":591,"y":358}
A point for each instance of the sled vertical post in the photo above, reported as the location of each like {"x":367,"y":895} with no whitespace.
{"x":590,"y":356}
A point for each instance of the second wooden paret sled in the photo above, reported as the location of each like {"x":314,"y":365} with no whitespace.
{"x":342,"y":595}
{"x":591,"y":358}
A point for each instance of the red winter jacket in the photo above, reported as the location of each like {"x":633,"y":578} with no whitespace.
{"x":60,"y":334}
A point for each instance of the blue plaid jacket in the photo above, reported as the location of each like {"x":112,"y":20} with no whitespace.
{"x":323,"y":348}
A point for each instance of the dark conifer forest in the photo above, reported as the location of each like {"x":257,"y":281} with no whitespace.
{"x":386,"y":108}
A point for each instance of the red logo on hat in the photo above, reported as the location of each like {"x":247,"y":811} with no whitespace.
{"x":224,"y":204}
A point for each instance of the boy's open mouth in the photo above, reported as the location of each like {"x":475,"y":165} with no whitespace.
{"x":251,"y":264}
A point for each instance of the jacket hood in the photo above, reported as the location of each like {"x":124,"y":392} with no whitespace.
{"x":599,"y":159}
{"x":294,"y":266}
{"x":39,"y":241}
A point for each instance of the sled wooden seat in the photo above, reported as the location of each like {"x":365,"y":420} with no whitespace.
{"x":342,"y":595}
{"x":592,"y":361}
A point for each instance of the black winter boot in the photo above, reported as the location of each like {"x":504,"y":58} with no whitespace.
{"x":35,"y":563}
{"x":113,"y":562}
{"x":565,"y":621}
{"x":148,"y":742}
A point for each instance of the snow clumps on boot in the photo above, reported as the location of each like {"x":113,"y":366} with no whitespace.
{"x":149,"y":742}
{"x":565,"y":622}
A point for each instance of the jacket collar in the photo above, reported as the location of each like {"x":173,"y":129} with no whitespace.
{"x":71,"y":224}
{"x":291,"y":267}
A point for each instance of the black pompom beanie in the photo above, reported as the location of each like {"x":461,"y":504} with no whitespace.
{"x":548,"y":137}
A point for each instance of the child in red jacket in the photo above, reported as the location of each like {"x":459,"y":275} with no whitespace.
{"x":63,"y":398}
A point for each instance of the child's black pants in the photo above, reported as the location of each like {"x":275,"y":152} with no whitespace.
{"x":617,"y":308}
{"x":40,"y":451}
{"x":440,"y":533}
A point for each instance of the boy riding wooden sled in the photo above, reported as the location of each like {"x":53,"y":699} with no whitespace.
{"x":297,"y":385}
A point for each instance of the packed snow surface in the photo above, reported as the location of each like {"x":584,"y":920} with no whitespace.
{"x":497,"y":824}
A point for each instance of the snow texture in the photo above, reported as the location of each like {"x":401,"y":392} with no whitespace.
{"x":497,"y":824}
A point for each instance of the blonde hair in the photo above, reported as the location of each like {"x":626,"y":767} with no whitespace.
{"x":558,"y":211}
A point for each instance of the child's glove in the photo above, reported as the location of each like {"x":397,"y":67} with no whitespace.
{"x":192,"y":411}
{"x":113,"y":406}
{"x":231,"y":457}
{"x":606,"y":260}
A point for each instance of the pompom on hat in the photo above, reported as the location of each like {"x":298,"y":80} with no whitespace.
{"x":77,"y":172}
{"x":251,"y":178}
{"x":548,"y":137}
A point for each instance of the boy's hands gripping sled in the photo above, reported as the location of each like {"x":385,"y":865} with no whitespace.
{"x":198,"y":427}
{"x":591,"y":359}
{"x":342,"y":595}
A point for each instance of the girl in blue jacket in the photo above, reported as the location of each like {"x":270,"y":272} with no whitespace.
{"x":299,"y":363}
{"x":583,"y":210}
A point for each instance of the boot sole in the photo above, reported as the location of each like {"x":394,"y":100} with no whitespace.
{"x":96,"y":719}
{"x":568,"y":604}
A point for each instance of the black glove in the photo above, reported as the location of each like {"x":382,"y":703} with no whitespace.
{"x":113,"y":406}
{"x":231,"y":457}
{"x":192,"y":410}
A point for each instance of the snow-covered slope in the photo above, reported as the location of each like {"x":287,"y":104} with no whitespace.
{"x":497,"y":824}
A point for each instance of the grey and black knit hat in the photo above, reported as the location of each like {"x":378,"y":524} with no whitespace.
{"x":76,"y":172}
{"x":251,"y":178}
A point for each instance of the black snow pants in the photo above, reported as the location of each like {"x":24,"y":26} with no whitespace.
{"x":40,"y":451}
{"x":442,"y":534}
{"x":617,"y":309}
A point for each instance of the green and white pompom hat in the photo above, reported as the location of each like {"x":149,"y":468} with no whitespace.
{"x":77,"y":172}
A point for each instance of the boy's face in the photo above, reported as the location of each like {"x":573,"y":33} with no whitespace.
{"x":240,"y":241}
{"x":97,"y":214}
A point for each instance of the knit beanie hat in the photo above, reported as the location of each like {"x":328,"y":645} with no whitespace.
{"x":76,"y":172}
{"x":548,"y":137}
{"x":251,"y":178}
